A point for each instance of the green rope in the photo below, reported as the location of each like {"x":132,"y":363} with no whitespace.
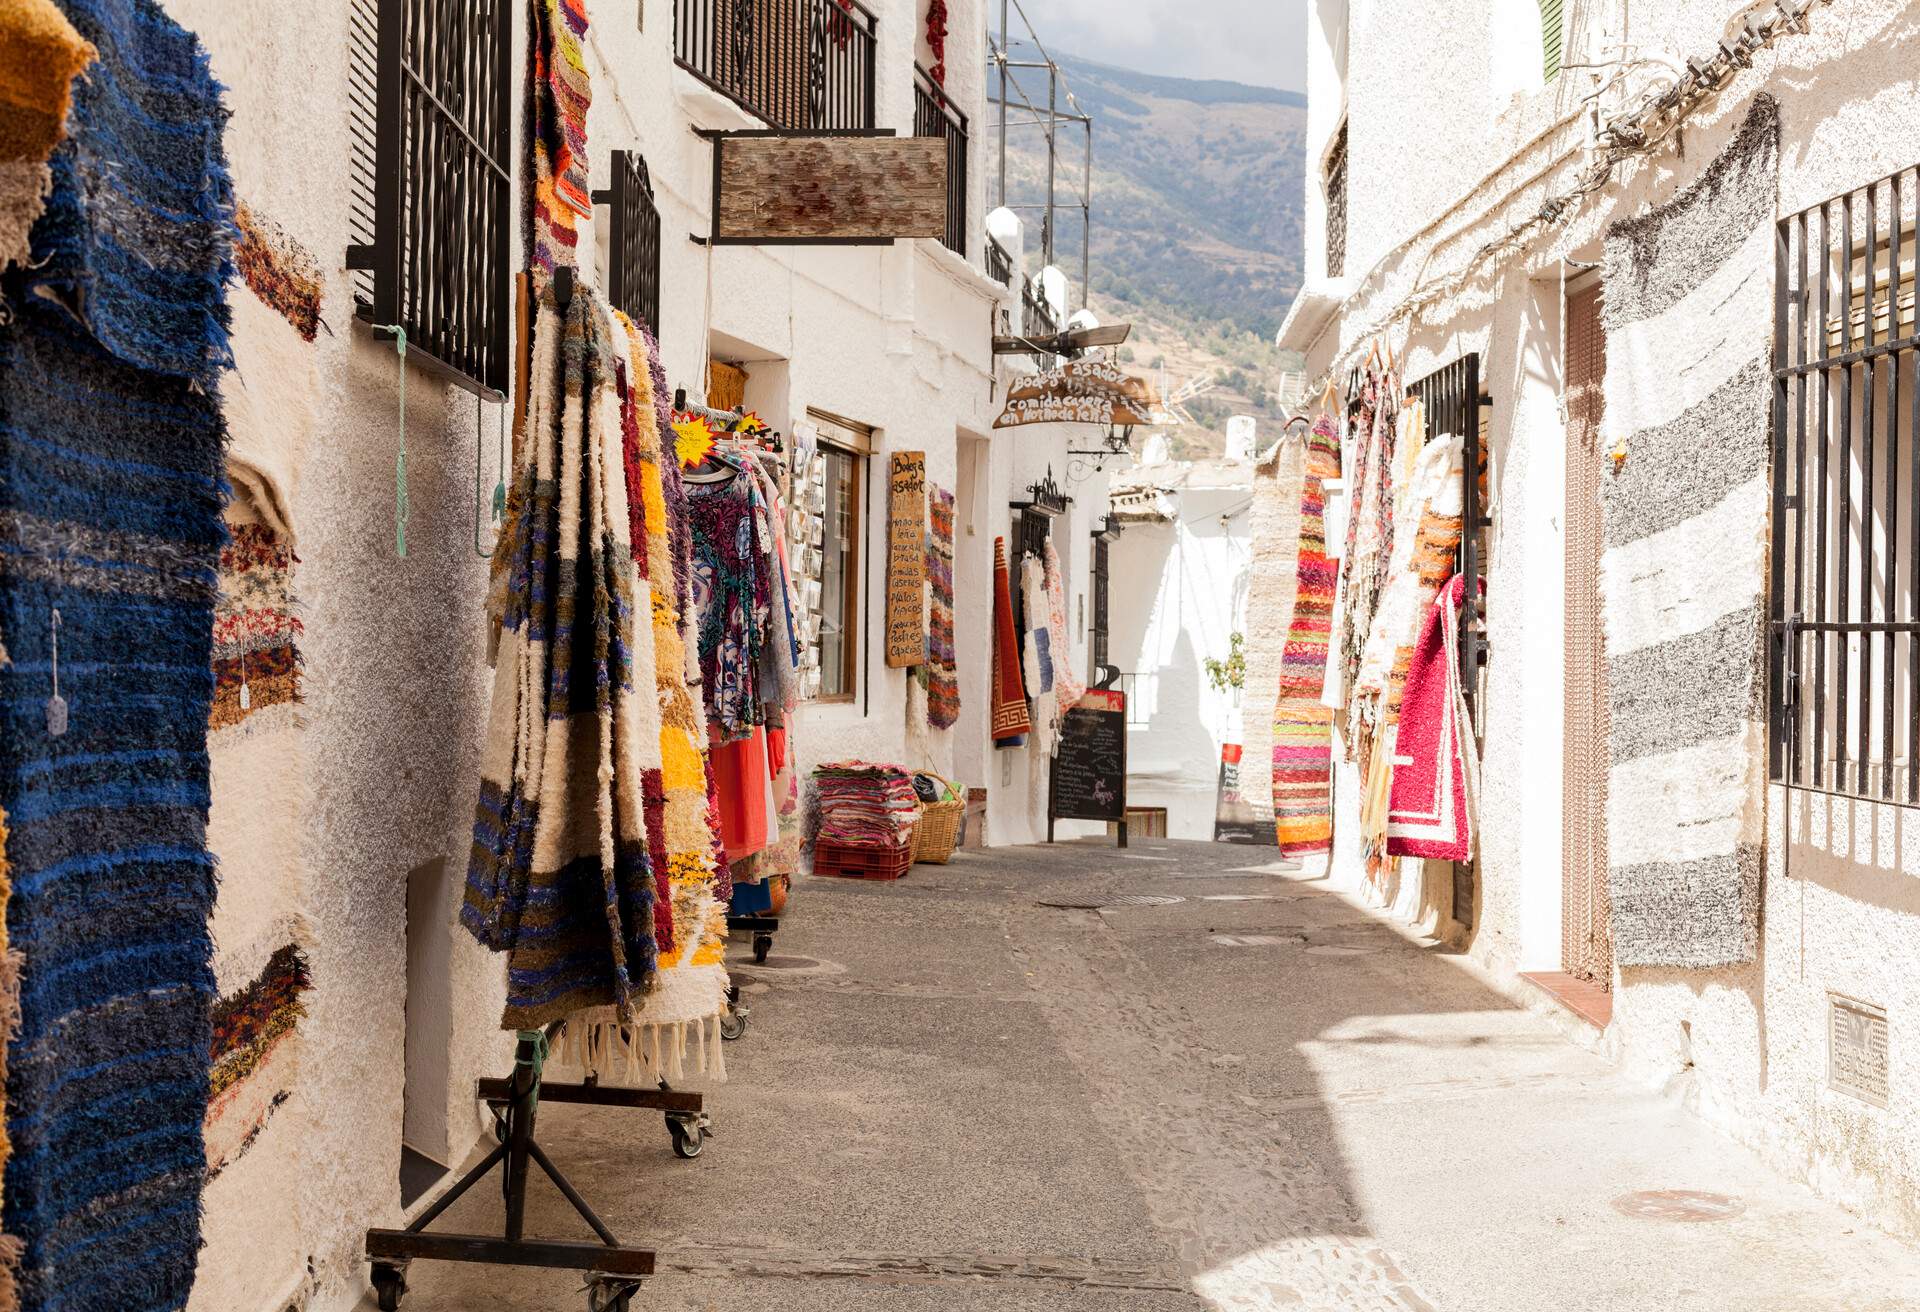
{"x":400,"y":504}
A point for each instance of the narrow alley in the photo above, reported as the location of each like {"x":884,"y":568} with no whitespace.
{"x":1227,"y":1088}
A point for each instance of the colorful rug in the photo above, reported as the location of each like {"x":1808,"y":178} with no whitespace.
{"x":559,"y":876}
{"x":558,"y":194}
{"x":943,"y":675}
{"x":279,"y":270}
{"x":1302,"y":724}
{"x":1687,"y":313}
{"x":10,"y":965}
{"x":1436,"y":774}
{"x":1068,"y":688}
{"x":1273,"y":525}
{"x":1010,"y":723}
{"x":40,"y":55}
{"x":111,"y":493}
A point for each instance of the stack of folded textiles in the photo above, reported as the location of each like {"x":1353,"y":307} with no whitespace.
{"x":864,"y":805}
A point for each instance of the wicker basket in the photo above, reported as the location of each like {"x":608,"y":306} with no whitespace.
{"x":937,"y":831}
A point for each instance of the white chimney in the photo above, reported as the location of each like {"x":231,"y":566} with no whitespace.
{"x":1242,"y":432}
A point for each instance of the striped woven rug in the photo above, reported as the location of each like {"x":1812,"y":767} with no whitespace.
{"x":111,"y":494}
{"x":1687,"y":311}
{"x":1302,"y":724}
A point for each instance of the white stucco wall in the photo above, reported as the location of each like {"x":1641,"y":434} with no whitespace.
{"x":1184,"y":596}
{"x":1444,"y":159}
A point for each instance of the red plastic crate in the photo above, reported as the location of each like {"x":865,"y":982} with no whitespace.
{"x":849,"y":862}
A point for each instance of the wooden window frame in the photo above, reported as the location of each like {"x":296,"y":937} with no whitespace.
{"x":854,"y":441}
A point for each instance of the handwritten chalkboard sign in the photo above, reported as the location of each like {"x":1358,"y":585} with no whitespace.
{"x":907,"y":559}
{"x":1090,"y":765}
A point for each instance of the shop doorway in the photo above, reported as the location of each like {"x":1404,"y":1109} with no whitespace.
{"x":1586,"y":941}
{"x":425,"y":1129}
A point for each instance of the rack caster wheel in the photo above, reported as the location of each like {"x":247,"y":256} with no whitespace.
{"x":611,"y":1293}
{"x":733,"y":1024}
{"x":762,"y":944}
{"x":389,"y":1285}
{"x":689,"y":1134}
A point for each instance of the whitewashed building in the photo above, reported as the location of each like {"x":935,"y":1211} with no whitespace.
{"x":878,"y":349}
{"x":1607,"y":211}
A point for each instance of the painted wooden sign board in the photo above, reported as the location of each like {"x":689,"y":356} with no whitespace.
{"x":1089,"y":777}
{"x":798,"y":189}
{"x":906,"y":559}
{"x":1081,"y":392}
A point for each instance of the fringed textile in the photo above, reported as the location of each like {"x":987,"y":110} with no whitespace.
{"x":111,"y":491}
{"x":1067,"y":687}
{"x":10,"y":964}
{"x":1683,"y":577}
{"x":1038,"y":654}
{"x":137,"y":238}
{"x":1273,"y":522}
{"x":559,"y":876}
{"x":943,"y":675}
{"x":1302,"y":724}
{"x":1436,"y":780}
{"x":40,"y":55}
{"x":279,"y":270}
{"x":561,"y":92}
{"x":1010,"y":721}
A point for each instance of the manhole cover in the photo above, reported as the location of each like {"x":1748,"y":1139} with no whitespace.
{"x":1678,"y":1205}
{"x":790,"y":965}
{"x":1115,"y":900}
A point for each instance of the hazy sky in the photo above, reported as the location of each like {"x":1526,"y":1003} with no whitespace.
{"x":1257,"y":41}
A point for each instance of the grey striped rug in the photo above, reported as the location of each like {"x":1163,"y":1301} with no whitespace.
{"x":1688,"y":317}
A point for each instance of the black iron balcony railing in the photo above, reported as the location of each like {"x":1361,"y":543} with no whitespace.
{"x":802,"y":65}
{"x":633,"y":256}
{"x":935,"y":115}
{"x":1038,"y":321}
{"x":999,"y":263}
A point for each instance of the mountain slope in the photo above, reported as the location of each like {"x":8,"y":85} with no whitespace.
{"x":1198,"y":189}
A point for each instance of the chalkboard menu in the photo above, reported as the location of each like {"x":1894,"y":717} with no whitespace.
{"x":1090,"y":765}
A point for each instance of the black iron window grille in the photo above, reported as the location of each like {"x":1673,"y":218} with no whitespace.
{"x":432,"y":191}
{"x":1335,"y":178}
{"x":1038,"y":322}
{"x":802,"y":65}
{"x":1453,"y":403}
{"x":1843,"y":666}
{"x":633,"y":239}
{"x":999,"y":263}
{"x":935,"y":115}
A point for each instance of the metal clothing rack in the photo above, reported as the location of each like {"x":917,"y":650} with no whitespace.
{"x":614,"y":1270}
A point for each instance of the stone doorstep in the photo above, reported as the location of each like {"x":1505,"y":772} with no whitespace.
{"x":1582,"y":997}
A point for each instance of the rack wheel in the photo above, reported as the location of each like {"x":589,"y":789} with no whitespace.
{"x":689,"y":1136}
{"x":389,"y":1285}
{"x":611,"y":1293}
{"x":733,"y":1024}
{"x":762,"y":944}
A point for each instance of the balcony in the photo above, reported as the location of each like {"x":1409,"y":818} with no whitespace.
{"x":999,"y":263}
{"x":1037,"y":322}
{"x":801,"y":65}
{"x":935,"y":115}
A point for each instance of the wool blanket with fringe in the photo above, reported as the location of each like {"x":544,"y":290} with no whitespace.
{"x":111,"y":496}
{"x":1010,"y":721}
{"x":559,"y":876}
{"x":1436,"y":775}
{"x":40,"y":55}
{"x":943,"y":675}
{"x":1302,"y":724}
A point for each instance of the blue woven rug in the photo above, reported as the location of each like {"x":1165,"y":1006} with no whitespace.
{"x":111,"y":491}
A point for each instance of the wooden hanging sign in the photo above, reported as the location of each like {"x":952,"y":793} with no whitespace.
{"x":827,"y":188}
{"x":1081,"y":392}
{"x":906,"y":559}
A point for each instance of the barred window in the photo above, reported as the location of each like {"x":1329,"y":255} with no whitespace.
{"x":1335,"y":178}
{"x":633,"y":239}
{"x":1844,"y":671}
{"x":432,"y":197}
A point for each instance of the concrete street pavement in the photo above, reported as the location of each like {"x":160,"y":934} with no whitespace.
{"x":952,"y":1097}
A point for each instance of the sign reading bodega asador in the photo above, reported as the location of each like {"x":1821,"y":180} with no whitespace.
{"x":1079,"y":392}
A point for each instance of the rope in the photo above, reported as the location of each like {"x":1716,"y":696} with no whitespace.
{"x":401,"y":509}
